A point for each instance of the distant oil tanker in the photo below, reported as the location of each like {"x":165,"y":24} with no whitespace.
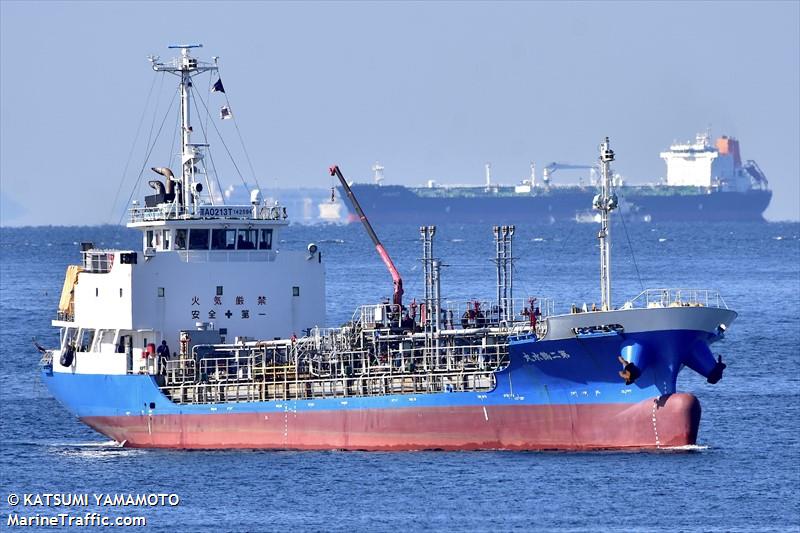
{"x":705,"y":182}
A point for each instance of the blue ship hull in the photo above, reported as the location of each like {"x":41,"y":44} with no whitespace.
{"x":395,"y":203}
{"x":559,"y":394}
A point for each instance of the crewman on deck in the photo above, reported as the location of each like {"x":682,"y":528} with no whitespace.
{"x":163,"y":350}
{"x":163,"y":356}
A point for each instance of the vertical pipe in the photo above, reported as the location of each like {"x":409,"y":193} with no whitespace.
{"x":185,"y":130}
{"x":431,"y":233}
{"x":504,"y":232}
{"x":423,"y":232}
{"x":605,"y":204}
{"x":510,"y":306}
{"x":498,"y":299}
{"x":437,"y":295}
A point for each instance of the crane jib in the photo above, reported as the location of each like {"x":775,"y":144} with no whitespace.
{"x":397,"y":294}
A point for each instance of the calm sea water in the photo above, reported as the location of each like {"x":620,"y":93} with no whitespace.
{"x":744,"y":476}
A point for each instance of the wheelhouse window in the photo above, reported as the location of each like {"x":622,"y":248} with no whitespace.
{"x":149,"y":239}
{"x":104,"y":336}
{"x":198,"y":239}
{"x":247,"y":239}
{"x":67,"y":336}
{"x":85,"y":340}
{"x":265,"y":240}
{"x":165,"y":237}
{"x":180,"y":239}
{"x":223,"y":239}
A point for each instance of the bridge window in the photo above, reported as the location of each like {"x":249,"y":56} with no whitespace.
{"x":180,"y":239}
{"x":165,"y":236}
{"x":85,"y":340}
{"x":247,"y":239}
{"x":265,"y":242}
{"x":104,"y":336}
{"x":198,"y":239}
{"x":223,"y":239}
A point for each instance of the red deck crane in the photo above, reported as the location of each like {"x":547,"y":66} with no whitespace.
{"x":397,"y":297}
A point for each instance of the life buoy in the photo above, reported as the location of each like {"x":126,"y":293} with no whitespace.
{"x":67,"y":356}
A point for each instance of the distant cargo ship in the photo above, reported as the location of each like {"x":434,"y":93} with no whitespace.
{"x":704,"y":181}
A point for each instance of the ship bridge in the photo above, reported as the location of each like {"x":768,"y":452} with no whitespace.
{"x":205,"y":270}
{"x":711,"y":166}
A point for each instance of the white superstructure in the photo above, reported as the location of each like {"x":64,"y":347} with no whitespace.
{"x":718,"y":165}
{"x":202,"y":266}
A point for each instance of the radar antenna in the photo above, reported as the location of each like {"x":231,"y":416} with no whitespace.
{"x":186,"y":67}
{"x":605,"y":202}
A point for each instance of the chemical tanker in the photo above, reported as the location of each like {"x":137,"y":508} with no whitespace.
{"x":504,"y":373}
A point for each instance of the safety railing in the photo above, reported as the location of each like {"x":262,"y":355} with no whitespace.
{"x":463,"y":314}
{"x":226,"y":369}
{"x":47,"y":359}
{"x":235,"y":212}
{"x":98,"y":261}
{"x":65,"y":316}
{"x":386,"y":315}
{"x":478,"y":313}
{"x":678,"y":297}
{"x":305,"y":388}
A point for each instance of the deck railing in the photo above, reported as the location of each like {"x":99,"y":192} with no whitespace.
{"x":98,"y":261}
{"x":171,"y":212}
{"x":678,"y":297}
{"x":289,"y":386}
{"x":465,"y":314}
{"x":317,"y":367}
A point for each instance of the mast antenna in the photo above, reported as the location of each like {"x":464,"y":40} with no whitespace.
{"x":186,"y":67}
{"x":605,"y":202}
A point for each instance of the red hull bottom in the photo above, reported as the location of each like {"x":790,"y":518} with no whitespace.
{"x":667,"y":421}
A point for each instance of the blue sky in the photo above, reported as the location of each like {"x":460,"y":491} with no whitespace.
{"x":431,"y":90}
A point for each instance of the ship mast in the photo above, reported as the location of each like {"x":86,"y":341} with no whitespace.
{"x":186,"y":67}
{"x":605,"y":202}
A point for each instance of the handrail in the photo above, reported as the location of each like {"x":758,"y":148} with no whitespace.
{"x":485,"y":314}
{"x":274,"y":213}
{"x":677,"y":297}
{"x":213,"y":391}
